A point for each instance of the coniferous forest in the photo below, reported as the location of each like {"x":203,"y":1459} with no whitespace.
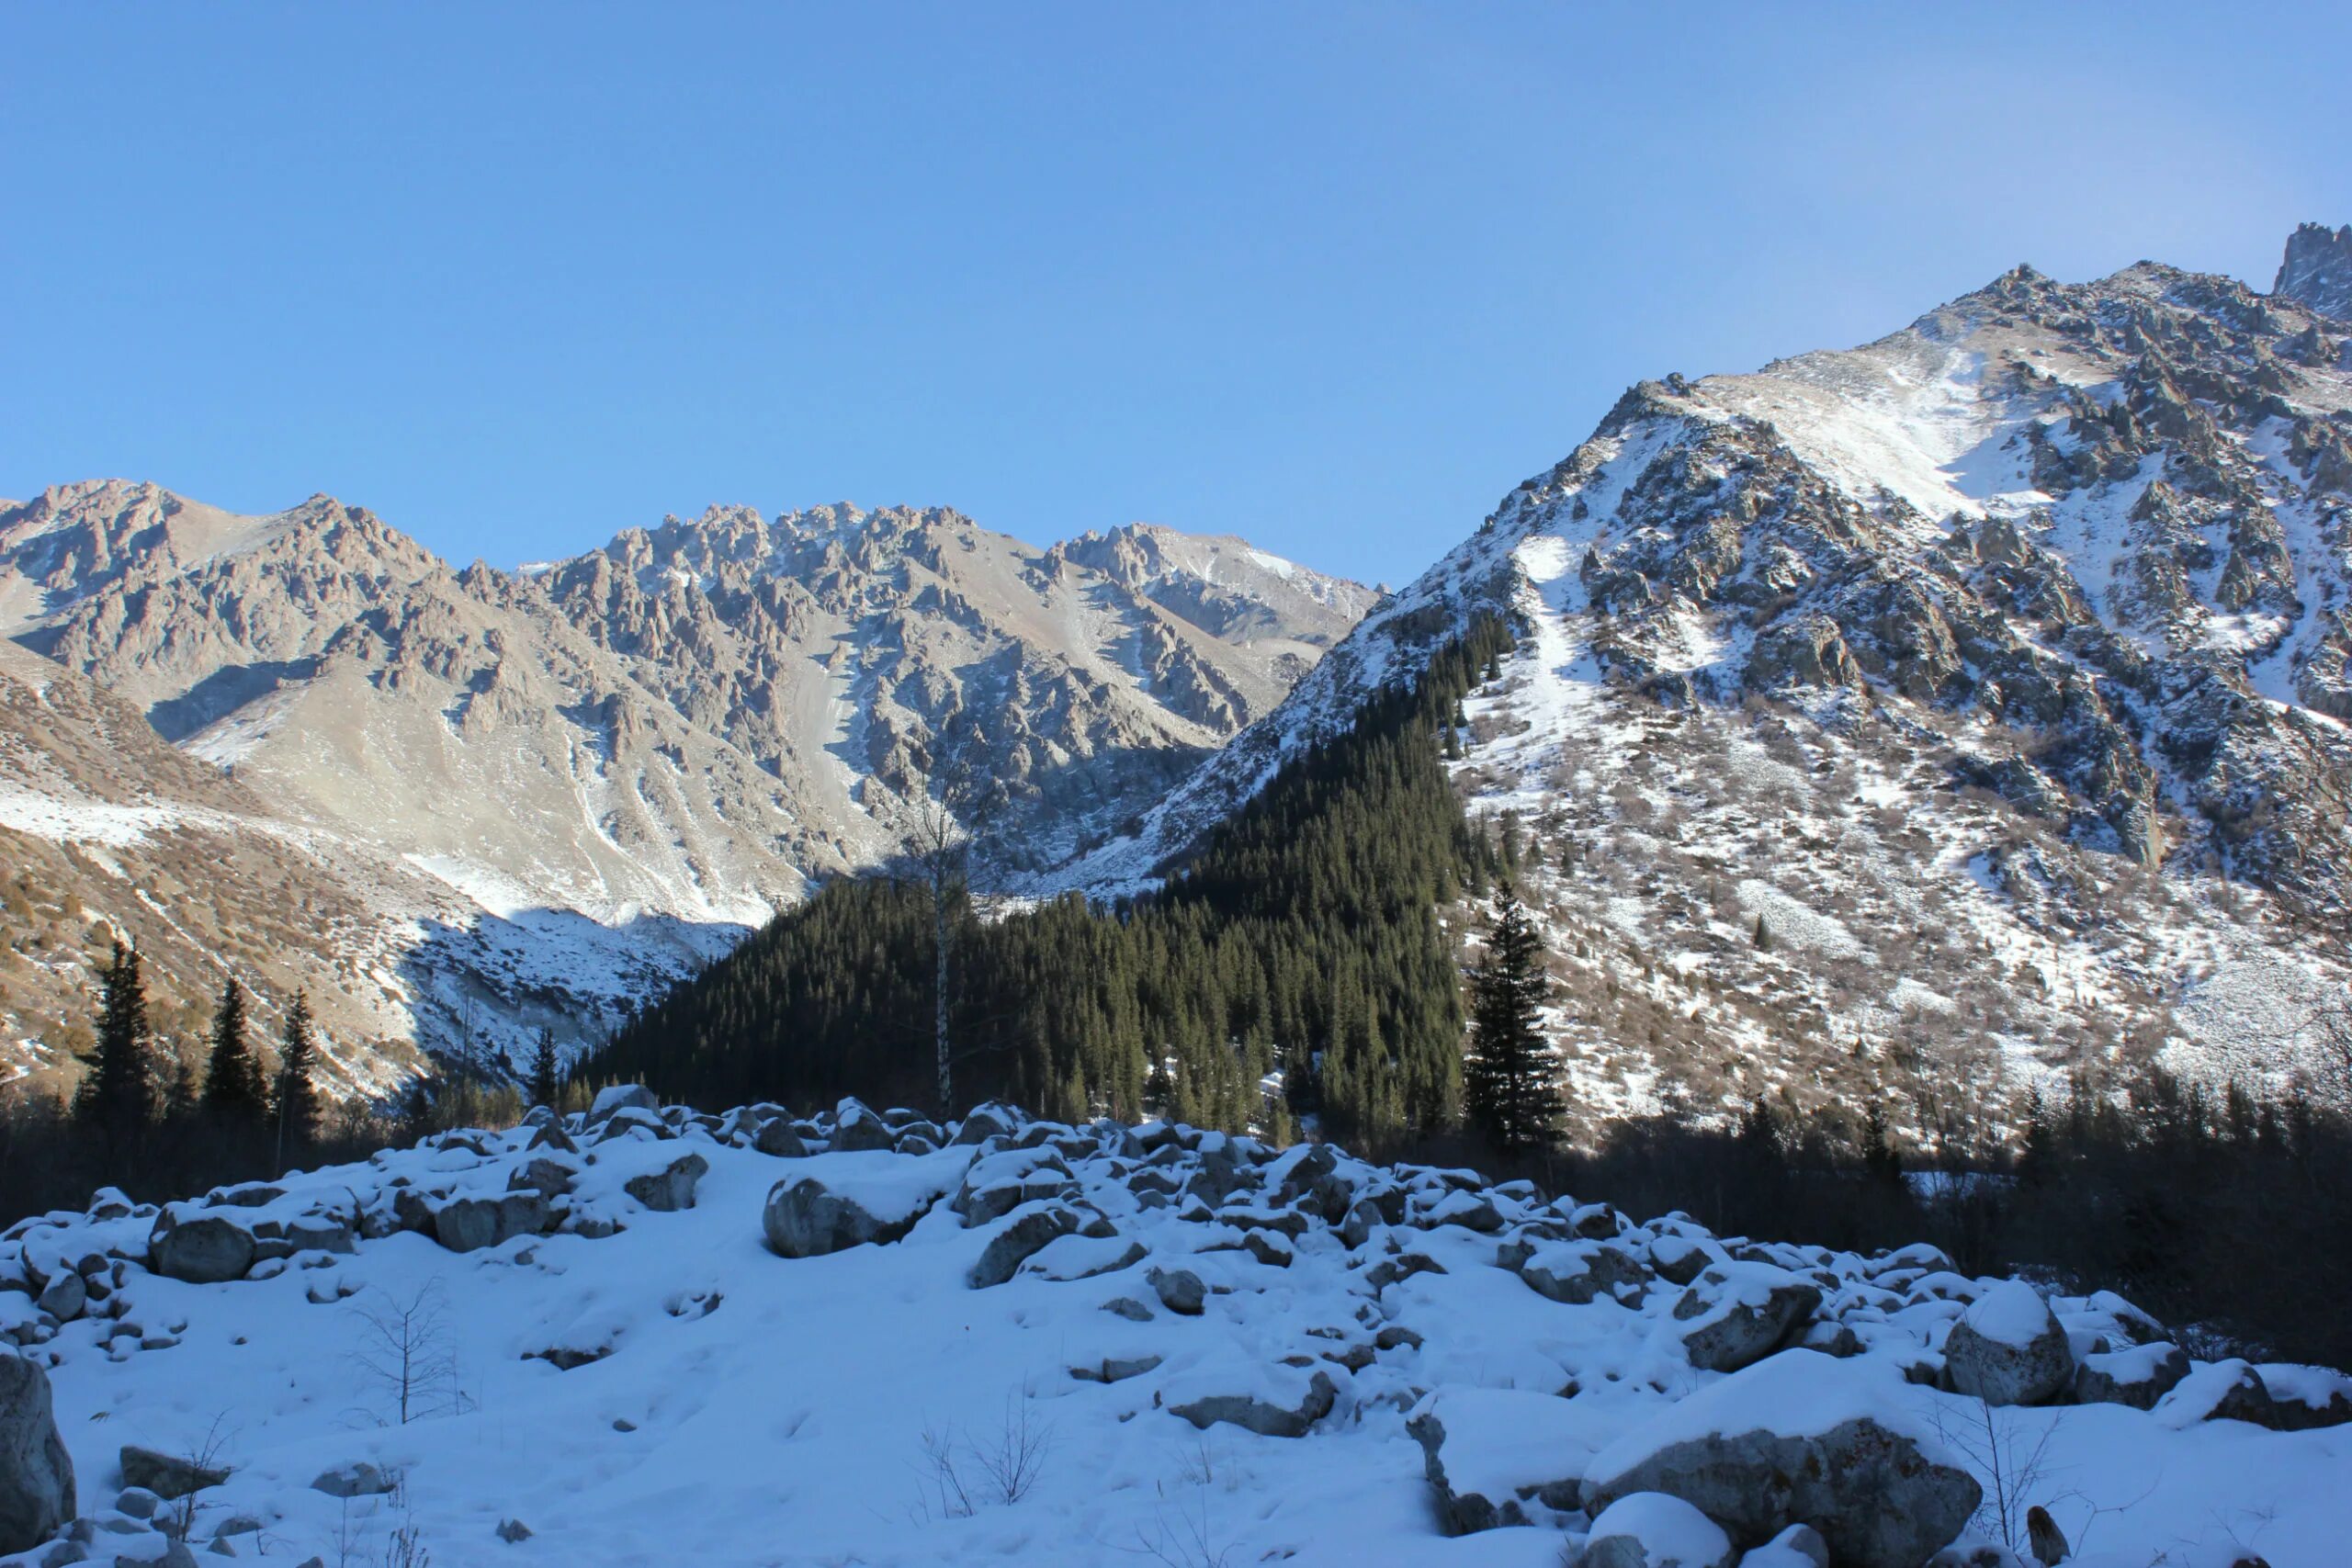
{"x":1302,"y":939}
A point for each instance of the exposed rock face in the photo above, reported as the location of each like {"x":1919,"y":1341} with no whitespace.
{"x":665,"y":737}
{"x":469,"y":1224}
{"x":36,"y":1474}
{"x":1269,"y":1412}
{"x":2317,"y":272}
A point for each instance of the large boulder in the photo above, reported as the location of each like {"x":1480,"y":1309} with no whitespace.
{"x":2008,"y":1347}
{"x":1735,"y":1314}
{"x":1274,"y":1401}
{"x":203,"y":1249}
{"x":2138,"y":1376}
{"x":1651,"y":1530}
{"x":804,"y":1218}
{"x":622,"y":1096}
{"x":1800,"y":1438}
{"x":36,"y":1474}
{"x":469,"y":1224}
{"x":672,"y":1188}
{"x":1028,"y":1232}
{"x":166,"y":1476}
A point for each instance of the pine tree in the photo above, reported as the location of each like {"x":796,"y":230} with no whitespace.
{"x":234,"y":1089}
{"x":115,"y":1095}
{"x":1507,"y":1077}
{"x":298,"y":1097}
{"x":546,"y":1082}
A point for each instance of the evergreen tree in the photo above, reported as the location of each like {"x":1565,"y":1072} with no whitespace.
{"x":117,"y":1095}
{"x":546,"y":1081}
{"x":298,"y":1096}
{"x":1508,"y":1079}
{"x":235,"y":1087}
{"x":1880,"y":1163}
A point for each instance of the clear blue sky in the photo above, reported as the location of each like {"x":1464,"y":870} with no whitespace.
{"x":1334,"y":276}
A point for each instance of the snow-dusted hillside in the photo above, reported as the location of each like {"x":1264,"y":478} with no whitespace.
{"x":1998,"y":667}
{"x":661,"y":1339}
{"x":535,"y":797}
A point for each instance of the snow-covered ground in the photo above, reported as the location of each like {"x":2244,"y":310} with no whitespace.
{"x":658,"y":1387}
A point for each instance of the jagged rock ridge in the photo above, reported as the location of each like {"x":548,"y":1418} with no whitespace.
{"x":568,"y":784}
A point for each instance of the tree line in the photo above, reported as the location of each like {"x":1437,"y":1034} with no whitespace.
{"x":1294,"y":964}
{"x":143,"y":1119}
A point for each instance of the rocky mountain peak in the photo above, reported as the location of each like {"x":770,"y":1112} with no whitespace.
{"x":2317,"y":270}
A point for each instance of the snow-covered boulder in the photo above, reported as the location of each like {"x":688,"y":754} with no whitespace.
{"x":2008,"y":1347}
{"x":167,"y":1475}
{"x":1026,"y":1233}
{"x":2219,"y":1391}
{"x":201,"y":1249}
{"x":2138,"y":1375}
{"x":1800,"y":1438}
{"x":2306,"y":1397}
{"x":849,"y":1200}
{"x":622,"y":1096}
{"x":671,"y":1188}
{"x":35,"y":1473}
{"x":1737,"y":1314}
{"x":1491,"y":1452}
{"x":857,"y":1129}
{"x":1575,"y":1272}
{"x":472,"y":1223}
{"x":1651,"y":1530}
{"x":1277,"y":1401}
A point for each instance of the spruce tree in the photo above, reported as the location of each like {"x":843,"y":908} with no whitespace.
{"x":117,"y":1095}
{"x":1508,"y":1075}
{"x":298,"y":1097}
{"x":546,"y":1082}
{"x":234,"y":1089}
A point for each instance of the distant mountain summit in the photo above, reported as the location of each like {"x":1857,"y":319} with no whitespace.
{"x":2317,"y":271}
{"x":1903,"y":719}
{"x":555,"y":790}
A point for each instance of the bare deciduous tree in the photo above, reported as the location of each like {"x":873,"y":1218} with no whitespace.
{"x":405,"y":1352}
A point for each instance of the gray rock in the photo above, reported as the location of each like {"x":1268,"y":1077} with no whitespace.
{"x":2137,"y":1377}
{"x":668,"y":1191}
{"x":985,"y":1121}
{"x":357,"y":1479}
{"x":622,"y":1096}
{"x":1263,"y":1417}
{"x":1180,"y":1290}
{"x":1027,"y":1232}
{"x":1577,"y":1272}
{"x":856,"y":1128}
{"x":469,"y":1224}
{"x":166,"y":1476}
{"x":2008,"y":1347}
{"x":1653,"y":1529}
{"x":36,"y":1474}
{"x":513,"y":1530}
{"x":136,"y":1502}
{"x":66,"y":1296}
{"x":777,"y":1137}
{"x":1129,"y":1308}
{"x":1877,"y":1496}
{"x":804,"y":1219}
{"x":1730,"y":1326}
{"x":208,"y":1250}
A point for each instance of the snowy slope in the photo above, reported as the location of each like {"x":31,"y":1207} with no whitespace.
{"x":655,"y":1385}
{"x":2000,"y":665}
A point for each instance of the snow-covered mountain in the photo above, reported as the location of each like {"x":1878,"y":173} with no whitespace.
{"x":542,"y":792}
{"x":1920,"y":716}
{"x":648,"y":1336}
